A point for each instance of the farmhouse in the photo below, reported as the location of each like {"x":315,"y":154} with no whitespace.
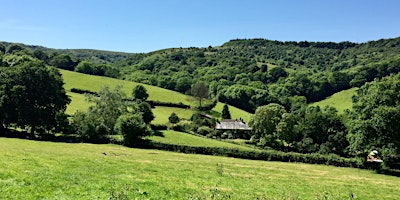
{"x":232,"y":125}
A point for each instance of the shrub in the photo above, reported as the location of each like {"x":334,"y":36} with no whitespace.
{"x":205,"y":130}
{"x":173,"y":118}
{"x":132,"y":128}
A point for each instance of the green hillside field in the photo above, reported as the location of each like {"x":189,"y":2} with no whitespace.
{"x":341,"y":100}
{"x":45,"y":170}
{"x":185,"y":139}
{"x":94,"y":83}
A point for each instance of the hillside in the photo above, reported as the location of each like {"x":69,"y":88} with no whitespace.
{"x":45,"y":170}
{"x":341,"y":100}
{"x":94,"y":83}
{"x":244,"y":73}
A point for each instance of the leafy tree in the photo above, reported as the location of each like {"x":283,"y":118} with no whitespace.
{"x":85,"y":67}
{"x":108,"y":106}
{"x":63,"y":61}
{"x":226,"y":114}
{"x":173,"y":118}
{"x":41,"y":55}
{"x":265,"y":120}
{"x":2,"y":48}
{"x":13,"y":48}
{"x":200,"y":90}
{"x":277,"y":73}
{"x":132,"y":128}
{"x":145,"y":109}
{"x":375,"y":117}
{"x":140,"y":93}
{"x":32,"y":95}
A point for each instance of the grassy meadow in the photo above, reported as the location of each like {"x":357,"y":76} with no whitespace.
{"x":341,"y":100}
{"x":46,"y":170}
{"x":95,"y":83}
{"x":179,"y":138}
{"x":162,"y":114}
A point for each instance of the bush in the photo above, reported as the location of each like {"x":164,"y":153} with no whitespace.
{"x":205,"y":130}
{"x":132,"y":128}
{"x":173,"y":118}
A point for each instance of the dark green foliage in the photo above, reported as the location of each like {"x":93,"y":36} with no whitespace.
{"x":225,"y":112}
{"x":2,"y":48}
{"x":173,"y":118}
{"x":132,"y":128}
{"x":144,"y":109}
{"x":13,"y":48}
{"x":140,"y":93}
{"x":375,"y":117}
{"x":269,"y":155}
{"x":63,"y":61}
{"x":31,"y":95}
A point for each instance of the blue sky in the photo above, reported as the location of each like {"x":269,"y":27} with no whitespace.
{"x":148,"y":25}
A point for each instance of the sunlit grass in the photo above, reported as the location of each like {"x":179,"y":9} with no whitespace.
{"x":179,"y":138}
{"x":46,"y":170}
{"x":341,"y":100}
{"x":162,"y":114}
{"x":95,"y":83}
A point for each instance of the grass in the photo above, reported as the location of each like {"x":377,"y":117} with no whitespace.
{"x":78,"y":102}
{"x":45,"y":170}
{"x":162,"y":114}
{"x":236,"y":113}
{"x":95,"y":83}
{"x":341,"y":100}
{"x":179,"y":138}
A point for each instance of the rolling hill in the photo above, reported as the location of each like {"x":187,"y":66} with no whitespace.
{"x":94,"y":83}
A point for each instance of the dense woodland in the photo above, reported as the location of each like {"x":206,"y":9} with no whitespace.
{"x":274,"y":80}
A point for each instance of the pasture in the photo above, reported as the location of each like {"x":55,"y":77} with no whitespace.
{"x":341,"y":100}
{"x":46,"y":170}
{"x":95,"y":83}
{"x":185,"y":139}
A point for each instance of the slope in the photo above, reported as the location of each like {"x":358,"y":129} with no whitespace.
{"x":340,"y":100}
{"x":45,"y":170}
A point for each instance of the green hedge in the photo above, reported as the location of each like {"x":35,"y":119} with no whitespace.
{"x":268,"y":155}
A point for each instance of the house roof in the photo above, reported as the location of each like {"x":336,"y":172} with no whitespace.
{"x":232,"y":125}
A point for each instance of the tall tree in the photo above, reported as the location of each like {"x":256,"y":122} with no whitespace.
{"x":226,"y":114}
{"x":32,"y":95}
{"x":200,"y":90}
{"x":376,"y":116}
{"x":140,"y":93}
{"x":109,"y":105}
{"x":63,"y":61}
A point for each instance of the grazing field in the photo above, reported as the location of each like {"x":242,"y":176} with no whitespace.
{"x":341,"y":100}
{"x":162,"y":114}
{"x":95,"y":83}
{"x":78,"y":102}
{"x":179,"y":138}
{"x":236,"y":113}
{"x":46,"y":170}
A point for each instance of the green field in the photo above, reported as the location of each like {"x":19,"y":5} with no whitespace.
{"x":236,"y":113}
{"x":46,"y":170}
{"x":95,"y":83}
{"x":179,"y":138}
{"x":341,"y":100}
{"x":162,"y":114}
